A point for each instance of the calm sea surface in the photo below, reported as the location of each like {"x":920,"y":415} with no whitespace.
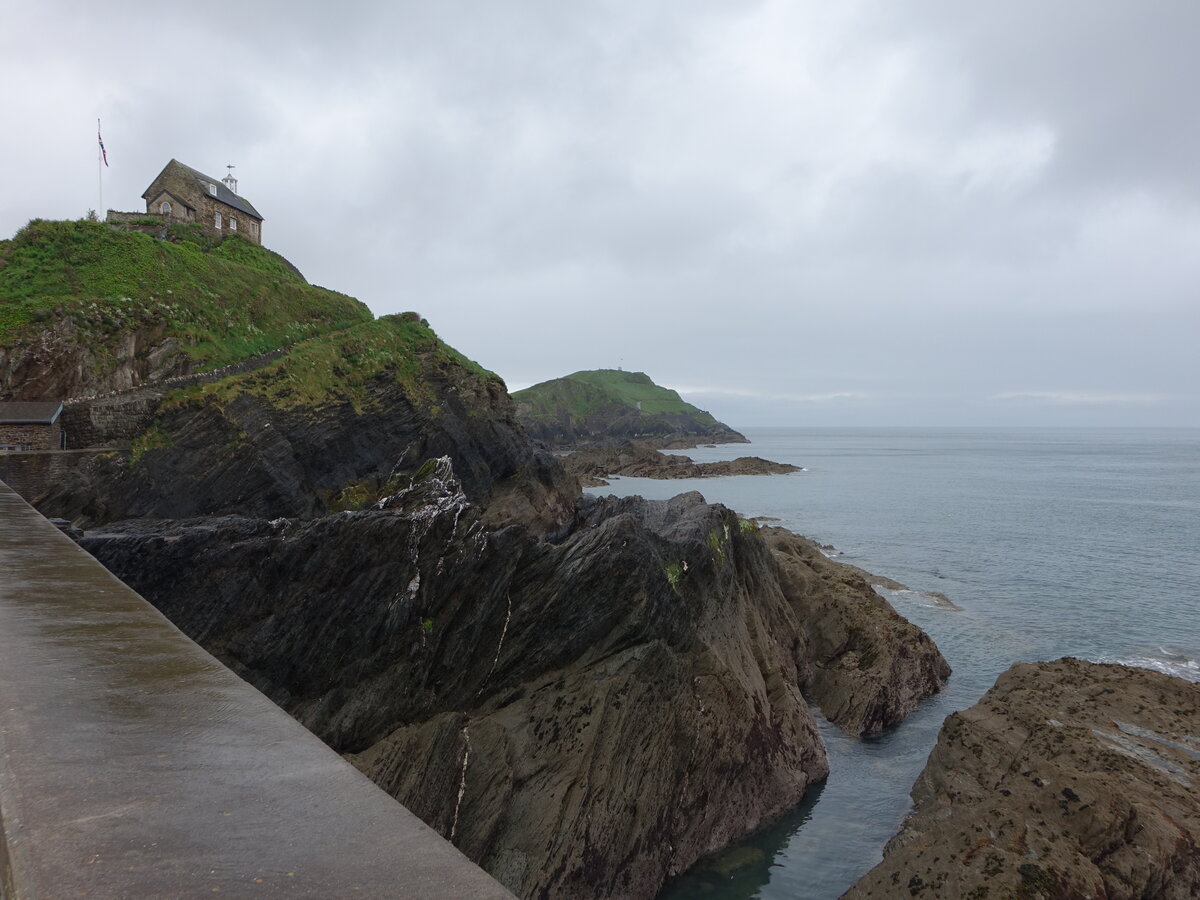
{"x":1053,"y":542}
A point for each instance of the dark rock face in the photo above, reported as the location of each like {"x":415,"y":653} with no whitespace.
{"x":61,"y":365}
{"x":642,"y":461}
{"x":584,"y":695}
{"x":584,"y":715}
{"x":1068,"y":779}
{"x":253,"y":458}
{"x":868,"y":666}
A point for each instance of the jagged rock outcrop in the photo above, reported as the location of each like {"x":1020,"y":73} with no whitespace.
{"x":584,"y":715}
{"x":61,"y":363}
{"x":243,"y":446}
{"x":592,"y":466}
{"x":868,"y":666}
{"x":1068,"y":779}
{"x":584,"y":694}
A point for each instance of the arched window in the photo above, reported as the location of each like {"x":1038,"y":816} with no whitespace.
{"x":165,"y":208}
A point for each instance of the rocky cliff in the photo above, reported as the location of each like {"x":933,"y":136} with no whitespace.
{"x":325,"y":428}
{"x":86,"y":309}
{"x":584,"y":695}
{"x":585,"y":715}
{"x":1068,"y":779}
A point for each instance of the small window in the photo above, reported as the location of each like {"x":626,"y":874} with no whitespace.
{"x":232,"y":224}
{"x":217,"y":221}
{"x":254,"y":228}
{"x":165,"y":208}
{"x":212,"y":189}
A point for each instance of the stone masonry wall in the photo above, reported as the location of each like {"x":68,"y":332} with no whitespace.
{"x":206,"y":209}
{"x":31,"y":437}
{"x":115,"y":419}
{"x":112,"y":422}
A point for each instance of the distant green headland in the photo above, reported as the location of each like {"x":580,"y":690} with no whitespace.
{"x":605,"y":406}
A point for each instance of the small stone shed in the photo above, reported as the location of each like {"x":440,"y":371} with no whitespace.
{"x":182,"y":194}
{"x":26,"y":425}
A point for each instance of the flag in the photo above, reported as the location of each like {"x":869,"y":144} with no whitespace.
{"x":103,"y":152}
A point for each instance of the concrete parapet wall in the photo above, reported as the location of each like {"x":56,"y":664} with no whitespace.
{"x":133,"y":764}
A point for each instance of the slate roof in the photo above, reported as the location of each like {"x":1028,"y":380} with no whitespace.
{"x":202,"y":181}
{"x":29,"y":412}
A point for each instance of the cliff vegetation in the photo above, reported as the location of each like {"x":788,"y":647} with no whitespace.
{"x":87,"y":308}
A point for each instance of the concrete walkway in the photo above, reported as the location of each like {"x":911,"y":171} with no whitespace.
{"x":134,"y":765}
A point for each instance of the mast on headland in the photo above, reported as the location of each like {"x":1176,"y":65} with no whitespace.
{"x":101,"y":156}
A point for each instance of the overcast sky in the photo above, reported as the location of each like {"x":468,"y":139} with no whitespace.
{"x":926,"y":212}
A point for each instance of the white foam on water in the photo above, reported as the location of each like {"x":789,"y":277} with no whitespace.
{"x":1168,"y":664}
{"x":919,"y":598}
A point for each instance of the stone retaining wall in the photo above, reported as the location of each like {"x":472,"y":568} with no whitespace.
{"x":116,"y":418}
{"x":112,"y":422}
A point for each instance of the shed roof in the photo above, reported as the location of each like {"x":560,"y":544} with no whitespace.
{"x":177,"y":169}
{"x":24,"y":412}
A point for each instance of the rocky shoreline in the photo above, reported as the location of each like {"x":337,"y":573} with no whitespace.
{"x":1068,"y":779}
{"x":584,"y":715}
{"x":639,"y":460}
{"x":583,"y":694}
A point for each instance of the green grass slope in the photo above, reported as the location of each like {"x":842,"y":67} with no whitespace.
{"x":223,"y":300}
{"x":343,"y":366}
{"x":601,"y":392}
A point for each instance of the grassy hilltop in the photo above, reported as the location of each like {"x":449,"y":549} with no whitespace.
{"x":222,"y":300}
{"x":605,"y":405}
{"x":583,"y":394}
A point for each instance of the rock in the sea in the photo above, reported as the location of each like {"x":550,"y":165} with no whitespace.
{"x":866,"y":666}
{"x":1069,"y":779}
{"x":638,"y":460}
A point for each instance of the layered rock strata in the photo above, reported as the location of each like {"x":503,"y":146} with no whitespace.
{"x":584,"y":715}
{"x":1068,"y":779}
{"x":241,"y":451}
{"x":585,"y":695}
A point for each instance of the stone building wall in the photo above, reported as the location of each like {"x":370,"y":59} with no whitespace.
{"x":31,"y":437}
{"x":207,"y":208}
{"x":178,"y":213}
{"x":190,"y":186}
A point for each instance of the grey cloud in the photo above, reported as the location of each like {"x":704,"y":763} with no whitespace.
{"x":905,"y":209}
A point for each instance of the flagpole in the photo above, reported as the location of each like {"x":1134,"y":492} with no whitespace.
{"x":99,"y":175}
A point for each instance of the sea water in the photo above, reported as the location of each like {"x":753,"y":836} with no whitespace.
{"x":1063,"y":542}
